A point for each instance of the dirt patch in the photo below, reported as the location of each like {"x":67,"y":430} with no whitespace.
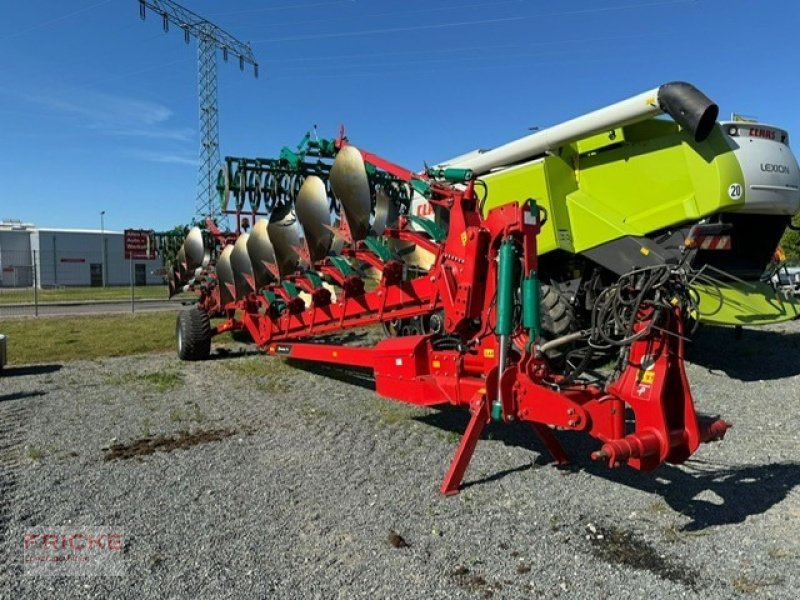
{"x":397,"y":540}
{"x":181,"y":441}
{"x":473,"y":583}
{"x":617,"y":546}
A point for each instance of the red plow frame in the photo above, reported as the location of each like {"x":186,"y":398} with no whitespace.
{"x":644,"y":418}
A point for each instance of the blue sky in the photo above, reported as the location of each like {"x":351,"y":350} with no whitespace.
{"x":98,"y":110}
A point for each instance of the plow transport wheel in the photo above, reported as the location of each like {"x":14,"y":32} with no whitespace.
{"x":193,"y":334}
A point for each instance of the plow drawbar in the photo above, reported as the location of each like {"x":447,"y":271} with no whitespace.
{"x":482,"y":348}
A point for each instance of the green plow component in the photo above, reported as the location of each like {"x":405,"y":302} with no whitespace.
{"x":436,"y":233}
{"x":378,"y":248}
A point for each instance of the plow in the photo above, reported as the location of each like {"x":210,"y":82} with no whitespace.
{"x":502,"y":279}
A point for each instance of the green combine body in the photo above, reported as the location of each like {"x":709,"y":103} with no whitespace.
{"x":648,"y":184}
{"x":631,"y":181}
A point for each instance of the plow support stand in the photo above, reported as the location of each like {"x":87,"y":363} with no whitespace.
{"x":455,"y":474}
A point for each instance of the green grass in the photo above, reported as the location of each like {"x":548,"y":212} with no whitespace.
{"x":178,"y":415}
{"x":392,"y":412}
{"x":35,"y":453}
{"x":66,"y":294}
{"x":61,"y":339}
{"x":160,"y":381}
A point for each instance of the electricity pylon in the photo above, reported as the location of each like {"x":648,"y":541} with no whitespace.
{"x":210,"y":38}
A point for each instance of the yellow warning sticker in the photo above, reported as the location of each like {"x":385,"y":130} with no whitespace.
{"x":464,"y":238}
{"x":644,"y":250}
{"x":488,"y":353}
{"x":436,"y":364}
{"x":646,"y":376}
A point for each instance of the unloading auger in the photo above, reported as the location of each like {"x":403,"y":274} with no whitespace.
{"x":301,"y":275}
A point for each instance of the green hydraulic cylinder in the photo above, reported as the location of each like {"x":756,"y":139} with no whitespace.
{"x":531,"y":309}
{"x":507,"y":259}
{"x":506,"y":267}
{"x":451,"y":174}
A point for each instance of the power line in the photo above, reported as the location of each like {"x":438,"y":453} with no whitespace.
{"x":460,"y":49}
{"x":472,"y":60}
{"x":403,"y":13}
{"x":380,"y":70}
{"x":53,"y":20}
{"x":468,"y":23}
{"x":278,"y":8}
{"x":388,"y":30}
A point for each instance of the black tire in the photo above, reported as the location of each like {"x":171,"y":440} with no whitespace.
{"x":557,"y":320}
{"x":193,"y":334}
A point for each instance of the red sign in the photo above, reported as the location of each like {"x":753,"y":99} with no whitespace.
{"x":139,"y":244}
{"x":761,"y":132}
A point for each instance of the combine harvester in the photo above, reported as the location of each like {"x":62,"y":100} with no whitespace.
{"x":463,"y":296}
{"x":625,"y":192}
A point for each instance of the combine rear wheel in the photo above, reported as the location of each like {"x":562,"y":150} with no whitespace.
{"x":193,"y":334}
{"x":557,"y":320}
{"x":557,"y":317}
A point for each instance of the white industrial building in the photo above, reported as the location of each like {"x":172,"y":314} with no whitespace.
{"x":68,"y":257}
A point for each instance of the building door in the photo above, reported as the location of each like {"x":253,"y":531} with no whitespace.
{"x":140,"y":274}
{"x":96,"y":274}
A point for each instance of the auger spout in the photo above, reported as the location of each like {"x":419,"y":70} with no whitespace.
{"x":687,"y":105}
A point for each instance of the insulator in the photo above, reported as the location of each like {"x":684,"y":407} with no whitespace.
{"x":142,"y":10}
{"x":165,"y":21}
{"x":225,"y":53}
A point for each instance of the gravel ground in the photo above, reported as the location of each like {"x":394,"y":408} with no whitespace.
{"x":270,"y":480}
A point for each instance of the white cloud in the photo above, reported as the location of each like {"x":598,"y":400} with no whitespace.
{"x":185,"y":134}
{"x":112,"y":114}
{"x":166,"y":157}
